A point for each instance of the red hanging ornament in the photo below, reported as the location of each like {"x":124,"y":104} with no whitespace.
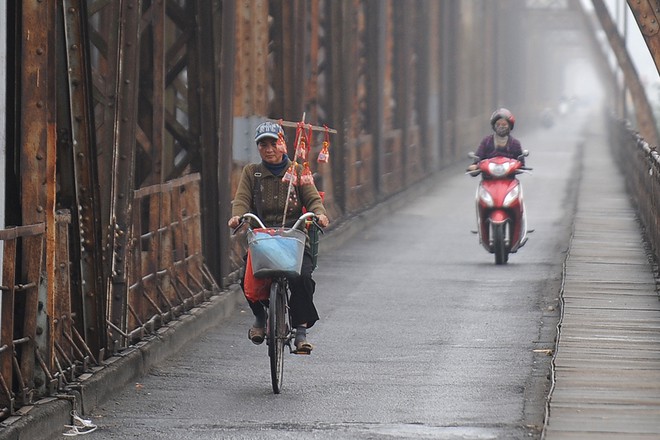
{"x":302,"y":142}
{"x":324,"y":154}
{"x":291,"y":175}
{"x":302,"y":149}
{"x":306,"y":178}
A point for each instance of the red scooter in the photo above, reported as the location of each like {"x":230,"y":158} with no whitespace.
{"x":501,"y":219}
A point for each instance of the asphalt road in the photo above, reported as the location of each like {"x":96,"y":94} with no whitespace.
{"x":421,"y":335}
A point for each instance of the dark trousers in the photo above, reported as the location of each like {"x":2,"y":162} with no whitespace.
{"x":301,"y":305}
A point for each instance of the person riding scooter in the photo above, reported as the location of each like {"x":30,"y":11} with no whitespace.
{"x":501,"y":218}
{"x":500,"y":143}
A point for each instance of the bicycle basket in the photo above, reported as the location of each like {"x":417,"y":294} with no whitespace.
{"x":276,"y":252}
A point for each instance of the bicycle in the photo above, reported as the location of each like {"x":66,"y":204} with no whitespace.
{"x":277,"y":253}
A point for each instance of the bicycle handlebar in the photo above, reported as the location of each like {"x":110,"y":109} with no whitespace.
{"x":254,"y":217}
{"x":304,"y":217}
{"x":300,"y":221}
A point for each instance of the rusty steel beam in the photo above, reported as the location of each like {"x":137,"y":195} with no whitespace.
{"x":376,"y":41}
{"x":277,"y":77}
{"x":203,"y":111}
{"x":422,"y":92}
{"x":252,"y":31}
{"x":37,"y":142}
{"x":645,"y":118}
{"x":224,"y":28}
{"x":85,"y":204}
{"x":123,"y":167}
{"x":405,"y":80}
{"x":296,"y":50}
{"x":448,"y":75}
{"x":322,"y":97}
{"x":338,"y":36}
{"x":647,"y":15}
{"x":310,"y":77}
{"x":154,"y":70}
{"x":289,"y":38}
{"x":103,"y":32}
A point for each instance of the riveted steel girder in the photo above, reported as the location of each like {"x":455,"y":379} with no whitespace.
{"x":123,"y":162}
{"x":647,"y":15}
{"x":81,"y":146}
{"x":38,"y":141}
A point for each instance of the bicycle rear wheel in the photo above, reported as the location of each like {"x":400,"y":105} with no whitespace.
{"x":277,"y":333}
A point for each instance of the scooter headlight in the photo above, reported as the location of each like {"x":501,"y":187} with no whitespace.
{"x":512,"y":196}
{"x":485,"y":196}
{"x":499,"y":169}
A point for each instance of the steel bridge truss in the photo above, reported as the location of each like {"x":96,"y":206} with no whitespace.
{"x":113,"y":96}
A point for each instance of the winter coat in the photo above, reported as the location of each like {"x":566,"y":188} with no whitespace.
{"x":512,"y":149}
{"x":273,"y":196}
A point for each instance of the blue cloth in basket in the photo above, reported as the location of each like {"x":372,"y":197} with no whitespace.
{"x":276,"y":252}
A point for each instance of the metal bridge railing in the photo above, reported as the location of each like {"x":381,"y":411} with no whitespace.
{"x":167,"y":275}
{"x":19,"y":328}
{"x":640,"y":163}
{"x":42,"y":349}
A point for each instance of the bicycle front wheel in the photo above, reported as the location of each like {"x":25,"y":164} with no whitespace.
{"x":277,"y":333}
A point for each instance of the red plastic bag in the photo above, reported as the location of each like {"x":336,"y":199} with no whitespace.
{"x":255,"y":289}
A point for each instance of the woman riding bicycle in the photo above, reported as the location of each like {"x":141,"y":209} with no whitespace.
{"x":261,"y":190}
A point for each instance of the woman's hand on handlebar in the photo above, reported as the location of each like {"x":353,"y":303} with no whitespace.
{"x":234,"y":221}
{"x":322,"y":220}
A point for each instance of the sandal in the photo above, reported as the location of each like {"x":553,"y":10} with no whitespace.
{"x":257,"y":335}
{"x":303,"y":347}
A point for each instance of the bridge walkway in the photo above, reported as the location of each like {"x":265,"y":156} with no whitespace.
{"x":606,"y":366}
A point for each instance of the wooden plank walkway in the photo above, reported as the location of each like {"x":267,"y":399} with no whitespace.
{"x":607,"y":362}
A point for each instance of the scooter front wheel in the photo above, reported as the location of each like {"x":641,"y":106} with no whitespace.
{"x":499,"y":247}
